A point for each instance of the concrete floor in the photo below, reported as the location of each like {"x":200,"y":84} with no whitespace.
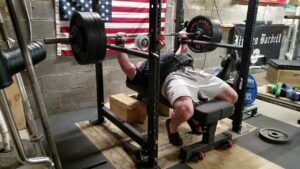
{"x":278,"y":112}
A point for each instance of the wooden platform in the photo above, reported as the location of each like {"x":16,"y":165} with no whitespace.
{"x":15,"y":103}
{"x":108,"y":139}
{"x":282,"y":101}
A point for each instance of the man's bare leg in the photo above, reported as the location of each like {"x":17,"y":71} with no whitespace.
{"x":228,"y":95}
{"x":183,"y":111}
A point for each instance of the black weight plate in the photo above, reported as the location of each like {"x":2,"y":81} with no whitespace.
{"x":209,"y":27}
{"x":78,"y":37}
{"x":217,"y":33}
{"x":102,"y":40}
{"x":272,"y":135}
{"x":92,"y":38}
{"x":88,"y":37}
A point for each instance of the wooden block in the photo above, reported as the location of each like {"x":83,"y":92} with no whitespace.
{"x":294,"y":2}
{"x":164,"y":110}
{"x":128,"y":108}
{"x":290,"y":77}
{"x":15,"y":103}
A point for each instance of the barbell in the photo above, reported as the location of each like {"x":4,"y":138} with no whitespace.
{"x":88,"y":38}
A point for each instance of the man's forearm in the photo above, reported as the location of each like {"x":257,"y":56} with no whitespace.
{"x":182,"y":49}
{"x":127,"y":67}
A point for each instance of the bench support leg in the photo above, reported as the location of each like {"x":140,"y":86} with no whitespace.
{"x":209,"y":142}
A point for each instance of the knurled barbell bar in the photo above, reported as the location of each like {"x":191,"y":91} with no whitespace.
{"x":88,"y":38}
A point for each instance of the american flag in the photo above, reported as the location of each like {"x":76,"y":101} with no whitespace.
{"x":130,"y":16}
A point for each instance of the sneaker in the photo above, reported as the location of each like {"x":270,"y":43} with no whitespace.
{"x":174,"y":138}
{"x":196,"y":129}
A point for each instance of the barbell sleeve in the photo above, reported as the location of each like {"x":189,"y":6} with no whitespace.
{"x":222,"y":45}
{"x":56,"y":40}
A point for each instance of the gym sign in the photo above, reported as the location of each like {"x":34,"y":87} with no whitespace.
{"x":266,"y":42}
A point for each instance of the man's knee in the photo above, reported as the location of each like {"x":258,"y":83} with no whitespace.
{"x":233,"y":96}
{"x":228,"y":95}
{"x":184,"y":108}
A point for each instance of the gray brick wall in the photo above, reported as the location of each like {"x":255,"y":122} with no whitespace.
{"x":68,"y":86}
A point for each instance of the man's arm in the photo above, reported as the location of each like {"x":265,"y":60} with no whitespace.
{"x":128,"y":68}
{"x":183,"y":47}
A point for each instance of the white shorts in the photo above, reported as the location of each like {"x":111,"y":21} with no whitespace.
{"x":192,"y":82}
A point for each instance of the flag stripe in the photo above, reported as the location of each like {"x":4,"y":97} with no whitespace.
{"x":130,"y":9}
{"x":134,"y":4}
{"x":130,"y":16}
{"x":113,"y":31}
{"x":133,"y":20}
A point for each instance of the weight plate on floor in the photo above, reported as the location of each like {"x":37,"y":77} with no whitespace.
{"x":272,"y":135}
{"x":211,"y":31}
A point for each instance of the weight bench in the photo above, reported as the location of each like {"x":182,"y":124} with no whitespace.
{"x":208,"y":114}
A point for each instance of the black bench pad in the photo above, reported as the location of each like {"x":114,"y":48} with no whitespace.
{"x":213,"y":111}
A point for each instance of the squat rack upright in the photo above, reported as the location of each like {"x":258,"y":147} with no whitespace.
{"x":150,"y":144}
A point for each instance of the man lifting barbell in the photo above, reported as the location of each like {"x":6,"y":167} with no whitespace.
{"x":181,"y":83}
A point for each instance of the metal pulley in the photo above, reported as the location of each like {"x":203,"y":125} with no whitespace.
{"x":142,"y":42}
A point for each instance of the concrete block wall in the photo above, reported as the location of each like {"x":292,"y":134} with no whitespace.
{"x":67,"y":86}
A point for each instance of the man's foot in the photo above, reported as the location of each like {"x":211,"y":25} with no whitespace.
{"x":195,"y":127}
{"x":174,"y":138}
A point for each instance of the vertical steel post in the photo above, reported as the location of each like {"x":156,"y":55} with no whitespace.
{"x":153,"y":83}
{"x":179,"y":22}
{"x":3,"y":128}
{"x":244,"y":70}
{"x":99,"y":79}
{"x":34,"y":83}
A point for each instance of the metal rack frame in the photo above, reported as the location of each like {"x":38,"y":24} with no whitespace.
{"x":149,"y":145}
{"x":237,"y":117}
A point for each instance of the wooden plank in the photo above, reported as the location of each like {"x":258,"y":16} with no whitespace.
{"x":294,"y":2}
{"x":15,"y":104}
{"x":109,"y":145}
{"x":282,"y":101}
{"x":234,"y":158}
{"x":272,"y":74}
{"x":112,"y":138}
{"x":290,"y":77}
